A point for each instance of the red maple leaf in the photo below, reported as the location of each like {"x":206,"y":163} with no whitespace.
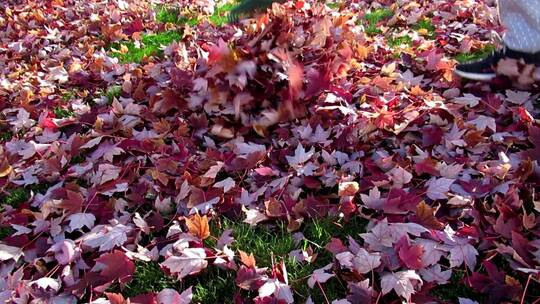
{"x":115,"y":266}
{"x":410,"y":255}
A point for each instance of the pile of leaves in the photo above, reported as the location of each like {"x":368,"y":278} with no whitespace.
{"x":295,"y":115}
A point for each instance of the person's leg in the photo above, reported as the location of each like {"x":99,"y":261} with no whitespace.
{"x":521,"y":19}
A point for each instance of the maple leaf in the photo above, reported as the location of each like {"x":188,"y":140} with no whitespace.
{"x":362,"y":261}
{"x":171,"y":296}
{"x":482,"y":122}
{"x":402,"y":282}
{"x":107,"y":151}
{"x":227,"y":184}
{"x":64,"y":251}
{"x":373,"y":200}
{"x":59,"y":74}
{"x":22,"y":121}
{"x":438,"y":188}
{"x":517,"y":97}
{"x":410,"y":255}
{"x":115,"y":266}
{"x":434,"y":274}
{"x":300,"y":156}
{"x":191,"y":261}
{"x":48,"y":284}
{"x":106,"y":237}
{"x":225,"y":239}
{"x":79,"y":220}
{"x":348,"y":188}
{"x":115,"y":298}
{"x":320,"y":276}
{"x":400,"y":177}
{"x":248,"y":260}
{"x":249,"y":278}
{"x":9,"y":252}
{"x":463,"y":253}
{"x":280,"y":290}
{"x":213,"y":171}
{"x":425,"y":216}
{"x":468,"y":100}
{"x":198,"y":226}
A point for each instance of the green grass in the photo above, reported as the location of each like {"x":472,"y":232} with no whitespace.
{"x":165,"y":14}
{"x":148,"y":277}
{"x":220,"y":15}
{"x":5,"y":232}
{"x":77,"y":159}
{"x":15,"y":197}
{"x":333,"y":5}
{"x":456,"y":289}
{"x":427,"y":25}
{"x":264,"y":242}
{"x":274,"y":243}
{"x":150,"y":46}
{"x":6,"y":136}
{"x":268,"y":243}
{"x":373,"y":18}
{"x":69,"y":95}
{"x":113,"y":92}
{"x":399,"y":41}
{"x":479,"y":54}
{"x":62,"y":113}
{"x":213,"y":285}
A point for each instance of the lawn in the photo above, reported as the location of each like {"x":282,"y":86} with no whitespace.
{"x":305,"y":152}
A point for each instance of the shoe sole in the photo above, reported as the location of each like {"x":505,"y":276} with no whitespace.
{"x":475,"y":76}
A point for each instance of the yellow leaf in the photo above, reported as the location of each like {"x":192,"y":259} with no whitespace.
{"x":423,"y":32}
{"x":198,"y":226}
{"x":5,"y":169}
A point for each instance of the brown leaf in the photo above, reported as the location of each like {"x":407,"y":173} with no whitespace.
{"x":198,"y":226}
{"x":425,"y":216}
{"x":5,"y":169}
{"x":115,"y":298}
{"x":160,"y":176}
{"x":273,"y":207}
{"x":248,"y":260}
{"x":348,"y":188}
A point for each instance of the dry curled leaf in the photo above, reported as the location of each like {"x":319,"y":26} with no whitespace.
{"x":198,"y":226}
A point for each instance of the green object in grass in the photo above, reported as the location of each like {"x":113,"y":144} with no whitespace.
{"x":165,"y":14}
{"x":333,"y":5}
{"x":372,"y":19}
{"x":6,"y":136}
{"x":15,"y":197}
{"x":427,"y":26}
{"x":62,"y":113}
{"x":5,"y":232}
{"x":113,"y":92}
{"x":221,"y":14}
{"x":473,"y":56}
{"x":399,"y":41}
{"x":151,"y":45}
